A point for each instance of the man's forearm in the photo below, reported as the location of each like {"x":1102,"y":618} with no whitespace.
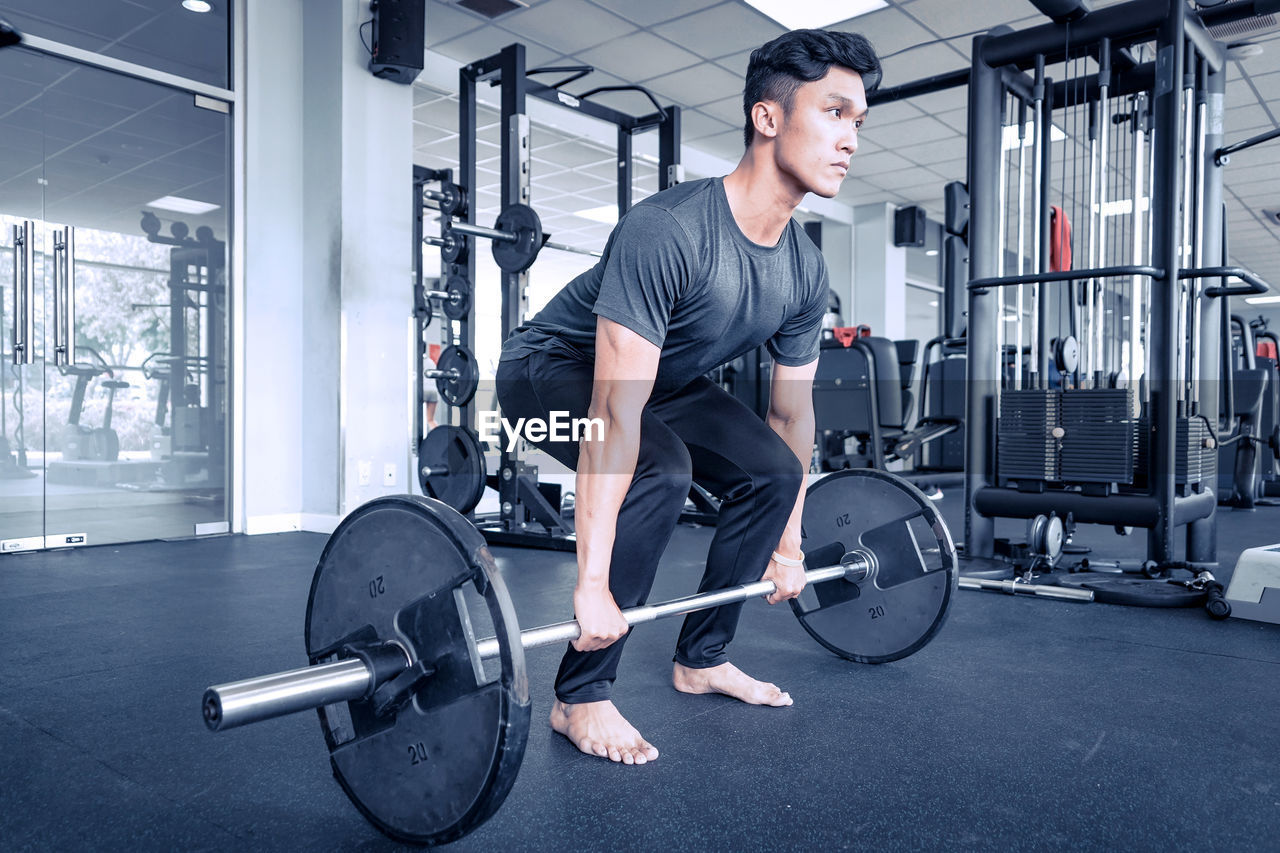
{"x":798,"y":434}
{"x":605,"y":470}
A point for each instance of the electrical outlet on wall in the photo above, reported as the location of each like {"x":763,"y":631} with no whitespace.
{"x":364,"y":472}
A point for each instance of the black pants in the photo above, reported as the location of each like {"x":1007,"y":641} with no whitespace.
{"x":698,"y":433}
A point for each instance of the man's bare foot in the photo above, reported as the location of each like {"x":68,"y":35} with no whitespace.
{"x":731,"y":681}
{"x":597,"y":728}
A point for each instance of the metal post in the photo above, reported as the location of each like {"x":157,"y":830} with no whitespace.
{"x":1165,"y":192}
{"x":985,"y":244}
{"x":1139,"y":220}
{"x":1040,"y":294}
{"x":1019,"y":306}
{"x":467,"y":175}
{"x":670,"y":170}
{"x":1202,"y":536}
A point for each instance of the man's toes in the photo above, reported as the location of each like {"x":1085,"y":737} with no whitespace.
{"x":614,"y":754}
{"x":591,"y":747}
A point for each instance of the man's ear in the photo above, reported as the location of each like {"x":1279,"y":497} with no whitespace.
{"x":766,"y":118}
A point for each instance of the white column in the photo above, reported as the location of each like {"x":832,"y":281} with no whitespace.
{"x":879,"y":273}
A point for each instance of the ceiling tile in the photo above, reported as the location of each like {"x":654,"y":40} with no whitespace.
{"x":649,"y":12}
{"x":888,"y":30}
{"x":567,"y":26}
{"x":445,"y":21}
{"x":487,"y":41}
{"x":937,"y":151}
{"x":695,"y":125}
{"x":697,"y":84}
{"x":736,"y":63}
{"x":639,"y":56}
{"x":728,"y":110}
{"x":729,"y":27}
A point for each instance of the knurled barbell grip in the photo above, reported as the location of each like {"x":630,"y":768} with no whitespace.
{"x":451,"y":374}
{"x":855,"y":567}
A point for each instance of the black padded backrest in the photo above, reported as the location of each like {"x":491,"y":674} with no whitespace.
{"x":908,"y":352}
{"x":842,"y":386}
{"x":1250,"y":385}
{"x":888,"y":381}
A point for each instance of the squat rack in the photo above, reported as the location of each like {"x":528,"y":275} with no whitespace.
{"x":526,"y":517}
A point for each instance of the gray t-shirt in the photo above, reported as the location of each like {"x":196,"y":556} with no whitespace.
{"x":679,"y":272}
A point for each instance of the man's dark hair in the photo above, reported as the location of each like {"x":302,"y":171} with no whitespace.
{"x":778,"y":69}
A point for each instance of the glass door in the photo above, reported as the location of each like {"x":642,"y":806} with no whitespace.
{"x":116,"y":417}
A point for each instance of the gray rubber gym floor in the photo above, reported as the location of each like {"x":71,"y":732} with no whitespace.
{"x":1026,"y":724}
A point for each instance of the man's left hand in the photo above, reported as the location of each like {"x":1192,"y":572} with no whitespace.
{"x":788,"y":580}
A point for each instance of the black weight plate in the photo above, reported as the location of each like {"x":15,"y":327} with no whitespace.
{"x":458,"y":450}
{"x":458,"y":392}
{"x":524,"y":222}
{"x":458,"y":302}
{"x":899,"y":610}
{"x":1137,"y":592}
{"x":454,"y":250}
{"x":395,"y":569}
{"x":454,"y":199}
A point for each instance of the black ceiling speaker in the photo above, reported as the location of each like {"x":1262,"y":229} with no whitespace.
{"x":908,"y":226}
{"x":399,"y":30}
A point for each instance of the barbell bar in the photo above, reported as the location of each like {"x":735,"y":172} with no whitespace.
{"x":517,"y":239}
{"x":507,"y":237}
{"x":238,"y":703}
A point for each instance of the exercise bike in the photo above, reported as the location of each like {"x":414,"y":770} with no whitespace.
{"x":83,"y":443}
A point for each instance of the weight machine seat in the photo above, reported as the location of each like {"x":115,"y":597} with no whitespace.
{"x":843,"y":403}
{"x":114,"y":383}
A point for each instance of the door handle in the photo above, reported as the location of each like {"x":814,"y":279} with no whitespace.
{"x":24,"y":322}
{"x":64,"y":296}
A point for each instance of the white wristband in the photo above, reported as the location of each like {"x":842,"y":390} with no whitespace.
{"x":788,"y":561}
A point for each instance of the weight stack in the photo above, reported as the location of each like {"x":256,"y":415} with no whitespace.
{"x":1100,"y":433}
{"x":1196,"y":463}
{"x":1193,"y":464}
{"x":1025,"y":445}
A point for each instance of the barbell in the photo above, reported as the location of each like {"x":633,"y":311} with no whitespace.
{"x":455,"y":299}
{"x":426,"y":725}
{"x":516,"y":234}
{"x":457,"y":375}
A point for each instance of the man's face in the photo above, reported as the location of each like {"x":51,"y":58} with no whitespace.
{"x":819,"y":134}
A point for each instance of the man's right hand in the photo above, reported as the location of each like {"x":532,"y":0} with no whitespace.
{"x":601,"y":621}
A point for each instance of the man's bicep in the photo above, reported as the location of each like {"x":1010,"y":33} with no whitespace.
{"x":626,"y":366}
{"x":791,"y":390}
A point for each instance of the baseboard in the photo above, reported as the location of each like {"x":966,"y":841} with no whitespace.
{"x":314,"y":522}
{"x":287,"y":522}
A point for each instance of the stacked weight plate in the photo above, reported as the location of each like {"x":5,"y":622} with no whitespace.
{"x":1027,"y":448}
{"x":1098,"y":446}
{"x":1194,"y":463}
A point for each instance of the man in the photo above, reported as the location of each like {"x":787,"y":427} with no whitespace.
{"x":691,"y":278}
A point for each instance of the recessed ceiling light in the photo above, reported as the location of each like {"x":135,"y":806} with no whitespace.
{"x":607,"y":213}
{"x":932,"y":253}
{"x":182,"y":205}
{"x":1262,"y":300}
{"x":812,"y":14}
{"x":197,"y":5}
